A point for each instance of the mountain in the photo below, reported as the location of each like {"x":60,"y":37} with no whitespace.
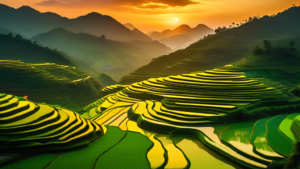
{"x":138,"y":32}
{"x":94,"y":55}
{"x":30,"y":22}
{"x":141,"y":35}
{"x":175,"y":41}
{"x":194,"y":33}
{"x":106,"y":80}
{"x":97,"y":24}
{"x":220,"y":49}
{"x":129,"y":26}
{"x":185,"y":32}
{"x":17,"y":48}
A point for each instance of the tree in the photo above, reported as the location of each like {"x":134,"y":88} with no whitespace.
{"x":18,"y":36}
{"x":250,"y":19}
{"x":35,"y":42}
{"x":10,"y":34}
{"x":258,"y":50}
{"x":103,"y":37}
{"x":267,"y":46}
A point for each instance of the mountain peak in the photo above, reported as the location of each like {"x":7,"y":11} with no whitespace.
{"x":94,"y":14}
{"x":27,"y":9}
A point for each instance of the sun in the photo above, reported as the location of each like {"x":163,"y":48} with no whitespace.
{"x":176,"y":19}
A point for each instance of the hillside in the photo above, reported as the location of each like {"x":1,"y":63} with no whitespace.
{"x":17,"y":48}
{"x":106,"y":80}
{"x":49,"y":83}
{"x":232,"y":44}
{"x":96,"y":55}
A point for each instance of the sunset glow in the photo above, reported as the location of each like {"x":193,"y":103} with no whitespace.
{"x":149,"y":16}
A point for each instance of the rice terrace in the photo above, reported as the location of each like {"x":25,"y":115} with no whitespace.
{"x":93,"y":91}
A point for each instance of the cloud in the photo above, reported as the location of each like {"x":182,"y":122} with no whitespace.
{"x":142,"y":4}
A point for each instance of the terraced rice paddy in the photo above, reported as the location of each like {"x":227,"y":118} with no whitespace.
{"x":219,"y":118}
{"x":49,"y":83}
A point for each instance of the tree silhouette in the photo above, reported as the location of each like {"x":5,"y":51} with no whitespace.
{"x":103,"y":37}
{"x":18,"y":36}
{"x":10,"y":34}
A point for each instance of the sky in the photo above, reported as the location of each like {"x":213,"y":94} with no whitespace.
{"x":158,"y":15}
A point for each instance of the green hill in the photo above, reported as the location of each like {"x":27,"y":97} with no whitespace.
{"x":17,"y":48}
{"x":50,"y":83}
{"x":222,"y":48}
{"x":106,"y":80}
{"x":113,"y":58}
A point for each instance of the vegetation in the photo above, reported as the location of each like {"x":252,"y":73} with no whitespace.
{"x":26,"y":48}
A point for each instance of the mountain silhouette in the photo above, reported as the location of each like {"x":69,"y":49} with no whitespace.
{"x":194,"y":33}
{"x":30,"y":22}
{"x":172,"y":39}
{"x":97,"y":24}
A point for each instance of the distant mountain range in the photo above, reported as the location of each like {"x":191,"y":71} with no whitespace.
{"x":223,"y":48}
{"x":30,"y":22}
{"x":180,"y":36}
{"x":97,"y":55}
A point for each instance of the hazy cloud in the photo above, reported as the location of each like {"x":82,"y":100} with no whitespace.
{"x":143,"y":4}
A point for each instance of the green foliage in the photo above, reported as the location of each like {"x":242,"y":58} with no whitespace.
{"x":293,"y":162}
{"x":295,"y":91}
{"x":26,"y":48}
{"x":258,"y":50}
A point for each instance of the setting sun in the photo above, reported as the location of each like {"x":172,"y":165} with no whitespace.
{"x":176,"y":19}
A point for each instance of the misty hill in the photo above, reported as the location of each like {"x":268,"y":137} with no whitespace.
{"x":222,"y":48}
{"x":185,"y":32}
{"x":100,"y":54}
{"x":17,"y":48}
{"x":106,"y":80}
{"x":138,"y":32}
{"x":194,"y":33}
{"x":175,"y":41}
{"x":30,"y":22}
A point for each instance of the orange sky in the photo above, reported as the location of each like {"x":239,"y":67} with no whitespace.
{"x":150,"y":15}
